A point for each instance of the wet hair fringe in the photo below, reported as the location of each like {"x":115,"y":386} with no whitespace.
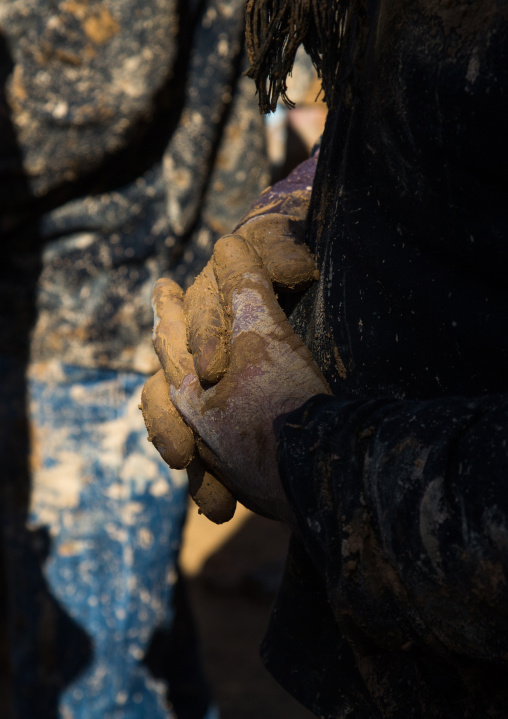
{"x":331,"y":31}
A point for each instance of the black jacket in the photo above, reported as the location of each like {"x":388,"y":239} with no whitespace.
{"x":395,"y":601}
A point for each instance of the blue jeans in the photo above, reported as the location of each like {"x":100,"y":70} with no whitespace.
{"x":90,"y":545}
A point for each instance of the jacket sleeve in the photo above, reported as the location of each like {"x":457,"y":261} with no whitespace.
{"x":403,"y":508}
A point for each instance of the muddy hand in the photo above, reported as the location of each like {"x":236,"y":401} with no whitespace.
{"x":270,"y":373}
{"x":274,"y":229}
{"x":166,"y":429}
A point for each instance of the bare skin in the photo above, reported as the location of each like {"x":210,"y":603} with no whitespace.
{"x":270,"y":373}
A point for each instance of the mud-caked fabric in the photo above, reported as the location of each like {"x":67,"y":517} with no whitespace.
{"x":129,"y":142}
{"x":103,"y":515}
{"x":103,"y":253}
{"x":101,"y":258}
{"x":82,"y":76}
{"x":127,"y":128}
{"x":398,"y":481}
{"x":402,"y":513}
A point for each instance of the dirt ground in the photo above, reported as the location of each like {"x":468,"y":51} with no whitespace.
{"x":233,"y":571}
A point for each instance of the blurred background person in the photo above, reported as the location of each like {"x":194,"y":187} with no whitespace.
{"x":294,"y":128}
{"x":129,"y":141}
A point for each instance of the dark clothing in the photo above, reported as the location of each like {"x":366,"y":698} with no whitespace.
{"x":129,"y":143}
{"x":395,"y":601}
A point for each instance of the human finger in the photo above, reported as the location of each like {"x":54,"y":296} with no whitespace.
{"x":275,"y":240}
{"x":213,"y":499}
{"x":207,"y":336}
{"x":169,"y":333}
{"x":278,"y":240}
{"x":173,"y":439}
{"x":238,"y":270}
{"x":256,"y":318}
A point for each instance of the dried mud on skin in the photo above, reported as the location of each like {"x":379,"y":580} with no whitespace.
{"x":167,"y":431}
{"x":174,"y":441}
{"x":207,"y":337}
{"x":274,"y":249}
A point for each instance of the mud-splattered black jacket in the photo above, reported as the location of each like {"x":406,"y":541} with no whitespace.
{"x":129,"y":141}
{"x":395,"y":599}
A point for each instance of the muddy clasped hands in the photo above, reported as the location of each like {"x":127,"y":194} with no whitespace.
{"x":231,"y":365}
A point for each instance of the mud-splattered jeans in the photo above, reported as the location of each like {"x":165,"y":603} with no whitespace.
{"x":92,"y":522}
